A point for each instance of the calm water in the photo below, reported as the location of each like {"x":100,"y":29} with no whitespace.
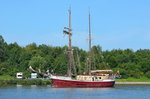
{"x":47,"y":92}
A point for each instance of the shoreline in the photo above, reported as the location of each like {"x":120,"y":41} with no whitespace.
{"x":132,"y":83}
{"x":25,"y":82}
{"x":49,"y":82}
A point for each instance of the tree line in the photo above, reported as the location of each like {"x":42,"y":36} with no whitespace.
{"x":14,"y":58}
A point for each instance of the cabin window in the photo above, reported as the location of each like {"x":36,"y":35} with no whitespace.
{"x":99,"y":77}
{"x":110,"y":74}
{"x":95,"y":77}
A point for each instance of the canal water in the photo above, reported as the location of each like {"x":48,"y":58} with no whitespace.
{"x":47,"y":92}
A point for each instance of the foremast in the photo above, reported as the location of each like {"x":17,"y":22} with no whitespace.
{"x":71,"y":67}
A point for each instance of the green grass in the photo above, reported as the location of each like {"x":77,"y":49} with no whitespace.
{"x":133,"y":80}
{"x":6,"y":77}
{"x":9,"y":80}
{"x":25,"y":82}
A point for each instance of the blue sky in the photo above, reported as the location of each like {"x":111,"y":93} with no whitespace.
{"x":115,"y":23}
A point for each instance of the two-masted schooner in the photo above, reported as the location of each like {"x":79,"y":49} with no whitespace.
{"x":94,"y":78}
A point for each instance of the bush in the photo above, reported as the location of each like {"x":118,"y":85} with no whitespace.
{"x":148,"y":74}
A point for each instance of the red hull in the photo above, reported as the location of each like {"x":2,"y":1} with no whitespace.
{"x":58,"y":83}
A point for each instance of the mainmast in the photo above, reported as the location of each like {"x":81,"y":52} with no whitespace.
{"x":90,"y":53}
{"x":71,"y":67}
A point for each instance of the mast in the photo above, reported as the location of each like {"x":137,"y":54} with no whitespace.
{"x":90,"y":53}
{"x":71,"y":67}
{"x":89,"y":32}
{"x":69,"y":30}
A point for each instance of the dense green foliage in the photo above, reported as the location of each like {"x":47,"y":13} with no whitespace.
{"x":14,"y":58}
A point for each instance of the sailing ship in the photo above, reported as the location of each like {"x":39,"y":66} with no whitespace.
{"x":94,"y":78}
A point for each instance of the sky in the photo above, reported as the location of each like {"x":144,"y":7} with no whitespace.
{"x":115,"y":24}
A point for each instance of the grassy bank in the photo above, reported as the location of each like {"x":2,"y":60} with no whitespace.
{"x":25,"y":82}
{"x":133,"y":80}
{"x":6,"y":77}
{"x":8,"y":80}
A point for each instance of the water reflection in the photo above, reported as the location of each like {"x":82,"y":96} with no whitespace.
{"x":47,"y":92}
{"x":19,"y":85}
{"x":96,"y":89}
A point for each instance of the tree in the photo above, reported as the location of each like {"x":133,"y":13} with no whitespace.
{"x":38,"y":62}
{"x":14,"y":58}
{"x":2,"y":49}
{"x":60,"y":65}
{"x":148,"y":74}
